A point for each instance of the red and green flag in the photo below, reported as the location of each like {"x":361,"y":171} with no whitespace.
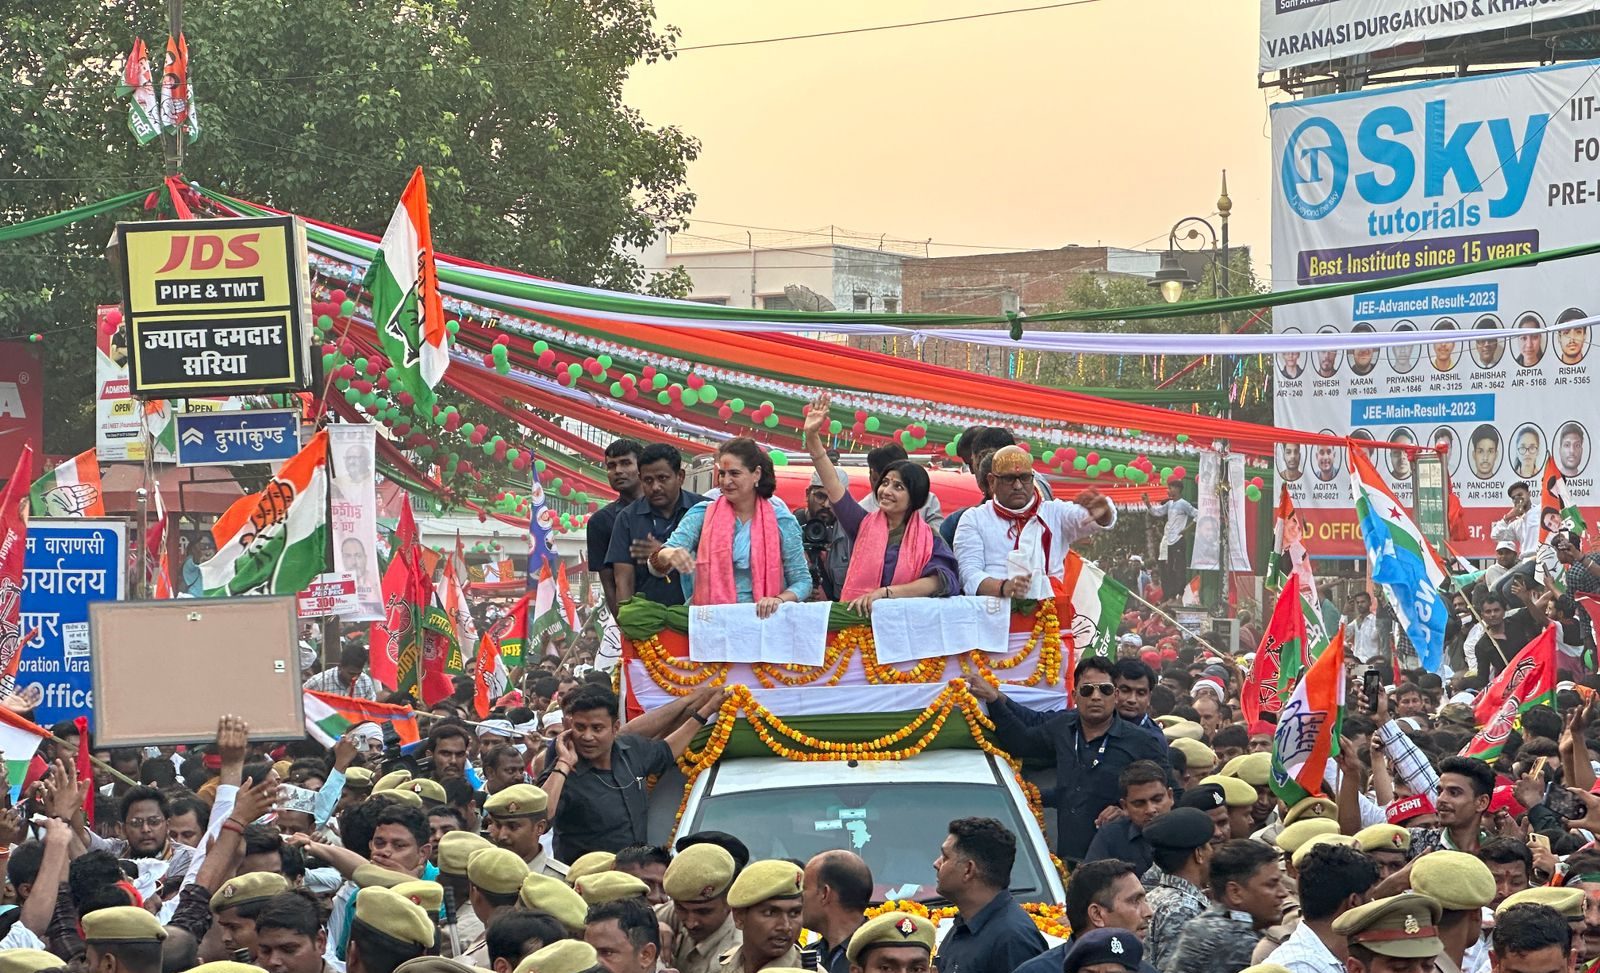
{"x":1529,"y":681}
{"x":1285,"y":635}
{"x":1309,"y":727}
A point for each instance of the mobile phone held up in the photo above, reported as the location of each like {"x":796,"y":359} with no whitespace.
{"x":1371,"y":686}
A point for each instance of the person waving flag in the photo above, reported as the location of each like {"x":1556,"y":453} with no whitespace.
{"x":1402,"y":561}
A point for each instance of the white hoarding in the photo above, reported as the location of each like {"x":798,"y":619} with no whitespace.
{"x":1295,"y":32}
{"x":1373,"y":184}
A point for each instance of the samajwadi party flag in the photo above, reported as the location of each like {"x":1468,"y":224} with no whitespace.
{"x":404,"y":285}
{"x":329,"y":717}
{"x":1094,"y":602}
{"x":19,"y":740}
{"x":276,"y":541}
{"x":1558,"y":510}
{"x":1286,"y":633}
{"x":1529,"y":681}
{"x":70,"y":490}
{"x":13,"y":550}
{"x":1402,"y":561}
{"x":1309,"y":727}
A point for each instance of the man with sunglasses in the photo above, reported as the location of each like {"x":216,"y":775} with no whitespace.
{"x":1091,"y":745}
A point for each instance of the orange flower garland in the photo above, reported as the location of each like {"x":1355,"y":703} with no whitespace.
{"x":677,"y":676}
{"x":836,"y":659}
{"x":1051,"y":919}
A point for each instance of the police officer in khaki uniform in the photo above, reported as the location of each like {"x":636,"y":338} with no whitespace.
{"x":388,"y":927}
{"x":895,"y":942}
{"x":544,"y":893}
{"x":696,"y":884}
{"x":566,"y":956}
{"x":1402,"y":927}
{"x":495,"y":876}
{"x":518,"y":819}
{"x":1462,"y":885}
{"x":130,"y":936}
{"x":766,"y":904}
{"x":455,"y":849}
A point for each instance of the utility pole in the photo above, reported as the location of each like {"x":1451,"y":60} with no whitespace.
{"x":172,"y":142}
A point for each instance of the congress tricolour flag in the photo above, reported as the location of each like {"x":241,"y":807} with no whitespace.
{"x":1309,"y":727}
{"x":276,"y":541}
{"x":329,"y":717}
{"x":1092,"y":603}
{"x":19,"y":741}
{"x":1557,"y":507}
{"x":1529,"y":681}
{"x":144,"y":115}
{"x":70,"y":490}
{"x":1402,"y":561}
{"x":489,"y":676}
{"x":404,"y":284}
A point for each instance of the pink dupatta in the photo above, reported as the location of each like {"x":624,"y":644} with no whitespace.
{"x":713,"y":567}
{"x":871,"y":546}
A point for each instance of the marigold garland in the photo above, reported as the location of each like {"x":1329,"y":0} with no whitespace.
{"x":675,"y":675}
{"x":1051,"y":919}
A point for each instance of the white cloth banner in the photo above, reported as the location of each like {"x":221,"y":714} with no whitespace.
{"x":1238,"y":554}
{"x":353,"y":503}
{"x":913,"y":629}
{"x":795,"y":633}
{"x":1207,"y":526}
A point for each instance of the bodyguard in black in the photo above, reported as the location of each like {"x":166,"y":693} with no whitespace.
{"x":1091,"y":745}
{"x":991,"y":933}
{"x":643,"y":524}
{"x":622,"y":473}
{"x":1145,"y":797}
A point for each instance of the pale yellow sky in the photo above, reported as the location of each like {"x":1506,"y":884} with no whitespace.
{"x":1101,"y":123}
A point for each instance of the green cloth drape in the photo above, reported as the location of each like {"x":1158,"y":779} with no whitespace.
{"x":55,"y":221}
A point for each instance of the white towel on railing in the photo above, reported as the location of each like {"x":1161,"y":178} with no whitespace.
{"x":796,"y":633}
{"x":910,"y":629}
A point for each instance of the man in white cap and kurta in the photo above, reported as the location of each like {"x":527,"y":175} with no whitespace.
{"x":1014,"y":544}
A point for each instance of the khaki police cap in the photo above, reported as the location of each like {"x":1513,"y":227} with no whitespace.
{"x":456,"y":847}
{"x":763,"y":880}
{"x":543,"y":893}
{"x":603,"y":887}
{"x":428,"y":895}
{"x":890,"y":929}
{"x":398,"y":795}
{"x":29,"y":961}
{"x":517,"y":801}
{"x":433,"y":964}
{"x":226,"y":966}
{"x":394,"y":915}
{"x":698,"y":873}
{"x":1183,"y":730}
{"x":1404,"y":926}
{"x":1299,"y":854}
{"x":1312,"y":808}
{"x":368,"y":876}
{"x":593,"y":863}
{"x":1457,"y":880}
{"x":1253,"y":768}
{"x":428,"y":790}
{"x":497,"y":870}
{"x":282,"y":767}
{"x":1168,"y":720}
{"x":1235,"y":791}
{"x":249,"y":887}
{"x":564,"y":956}
{"x":122,"y":924}
{"x":1197,"y":756}
{"x":359,"y":778}
{"x":1565,"y":900}
{"x":1291,"y":838}
{"x":1384,"y":837}
{"x":391,"y":780}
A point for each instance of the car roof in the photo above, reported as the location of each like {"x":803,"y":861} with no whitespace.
{"x":772,"y":773}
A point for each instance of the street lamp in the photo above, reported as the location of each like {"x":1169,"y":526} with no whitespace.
{"x":1172,"y":279}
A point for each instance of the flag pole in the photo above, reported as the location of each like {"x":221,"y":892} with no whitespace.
{"x":1175,"y":623}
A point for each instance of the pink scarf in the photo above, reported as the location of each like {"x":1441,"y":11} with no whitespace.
{"x":872,"y":544}
{"x":713,"y":567}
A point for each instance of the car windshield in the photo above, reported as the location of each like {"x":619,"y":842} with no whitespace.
{"x":897,"y":827}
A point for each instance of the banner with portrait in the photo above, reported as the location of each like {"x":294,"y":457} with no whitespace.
{"x":1396,"y":180}
{"x":353,"y":502}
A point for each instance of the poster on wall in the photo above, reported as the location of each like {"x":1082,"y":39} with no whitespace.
{"x":1372,"y":184}
{"x":67,"y":565}
{"x":1295,"y":32}
{"x":354,"y":507}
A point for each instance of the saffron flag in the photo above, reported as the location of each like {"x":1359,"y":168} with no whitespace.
{"x":1286,"y":633}
{"x":144,"y":115}
{"x":396,"y":578}
{"x":1289,"y":556}
{"x":13,"y":548}
{"x":489,"y":676}
{"x":329,"y":717}
{"x":1529,"y":681}
{"x":453,"y":584}
{"x":1557,"y":509}
{"x":404,"y":284}
{"x":70,"y":490}
{"x":157,"y":566}
{"x":1402,"y":562}
{"x":1093,"y":602}
{"x":1309,"y":727}
{"x":276,"y":541}
{"x":175,"y":85}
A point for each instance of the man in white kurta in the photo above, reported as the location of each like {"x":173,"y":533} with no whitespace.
{"x":1014,"y":544}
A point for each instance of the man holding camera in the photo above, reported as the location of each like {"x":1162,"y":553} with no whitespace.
{"x":827,"y":545}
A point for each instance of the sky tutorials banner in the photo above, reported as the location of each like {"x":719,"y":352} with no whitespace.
{"x":1373,"y":184}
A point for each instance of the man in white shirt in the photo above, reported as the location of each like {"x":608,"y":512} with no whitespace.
{"x":1361,"y":630}
{"x":1179,"y":514}
{"x":1520,"y":525}
{"x":1014,"y":544}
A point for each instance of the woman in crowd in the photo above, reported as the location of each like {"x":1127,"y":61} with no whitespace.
{"x":896,"y":554}
{"x":743,"y":546}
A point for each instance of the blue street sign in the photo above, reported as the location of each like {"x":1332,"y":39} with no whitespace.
{"x":66,"y":564}
{"x":229,"y":438}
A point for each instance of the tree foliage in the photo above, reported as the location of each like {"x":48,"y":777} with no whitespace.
{"x":513,"y":109}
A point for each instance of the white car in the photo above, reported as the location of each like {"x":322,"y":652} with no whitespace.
{"x":893,"y":813}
